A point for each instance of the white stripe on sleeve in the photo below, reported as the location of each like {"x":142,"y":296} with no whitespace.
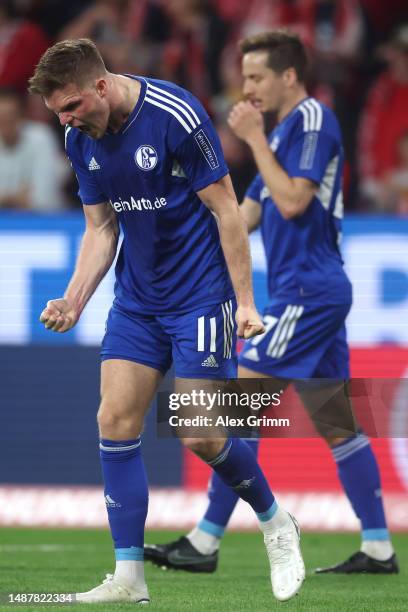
{"x":175,"y":105}
{"x":171,"y":111}
{"x":306,"y":117}
{"x":312,"y":115}
{"x":179,"y":100}
{"x":319,"y":114}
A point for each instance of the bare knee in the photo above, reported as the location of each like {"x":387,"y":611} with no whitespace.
{"x":127,"y":390}
{"x":205,"y":448}
{"x":117,"y":422}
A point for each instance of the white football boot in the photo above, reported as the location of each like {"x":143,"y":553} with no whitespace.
{"x":111,"y":591}
{"x":287,"y":567}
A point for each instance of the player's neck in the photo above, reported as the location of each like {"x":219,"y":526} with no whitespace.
{"x":291,"y":102}
{"x":125,"y":94}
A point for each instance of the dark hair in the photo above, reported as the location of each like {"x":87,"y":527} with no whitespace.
{"x":284,"y":49}
{"x":69,"y":61}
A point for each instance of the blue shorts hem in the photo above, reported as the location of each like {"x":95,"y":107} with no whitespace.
{"x":285,"y":372}
{"x":205,"y":376}
{"x":250,"y":365}
{"x":162,"y":370}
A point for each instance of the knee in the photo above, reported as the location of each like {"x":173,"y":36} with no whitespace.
{"x":118,"y":423}
{"x":107,"y":418}
{"x":206,"y":448}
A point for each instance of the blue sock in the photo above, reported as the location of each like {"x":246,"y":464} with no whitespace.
{"x":359,"y":474}
{"x":126,"y":496}
{"x":222,"y":501}
{"x":238,"y":468}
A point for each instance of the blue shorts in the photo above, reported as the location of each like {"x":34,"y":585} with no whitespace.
{"x":303,"y":340}
{"x":201,"y":343}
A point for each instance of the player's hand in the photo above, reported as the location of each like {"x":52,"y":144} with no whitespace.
{"x":59,"y":315}
{"x":249,"y":323}
{"x":246,"y":121}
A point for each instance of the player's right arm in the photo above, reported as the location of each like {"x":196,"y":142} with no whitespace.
{"x":98,"y":250}
{"x":291,"y":194}
{"x":252,"y":213}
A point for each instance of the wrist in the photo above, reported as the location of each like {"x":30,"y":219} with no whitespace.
{"x":245,"y":301}
{"x":257,"y":140}
{"x":74,"y":305}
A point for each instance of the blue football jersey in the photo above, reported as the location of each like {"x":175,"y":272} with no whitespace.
{"x":303,"y":255}
{"x":171,"y":258}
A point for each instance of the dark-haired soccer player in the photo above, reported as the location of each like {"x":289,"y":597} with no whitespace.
{"x":146,"y":155}
{"x":296,"y":199}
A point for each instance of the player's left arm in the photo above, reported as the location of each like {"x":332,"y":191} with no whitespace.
{"x":292,"y":195}
{"x":200,"y":154}
{"x":220,"y":198}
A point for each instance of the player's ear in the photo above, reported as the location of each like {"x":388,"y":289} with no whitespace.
{"x":101,"y":87}
{"x":289,"y":77}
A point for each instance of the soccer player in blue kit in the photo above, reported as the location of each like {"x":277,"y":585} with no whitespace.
{"x":296,"y":199}
{"x":147,"y":156}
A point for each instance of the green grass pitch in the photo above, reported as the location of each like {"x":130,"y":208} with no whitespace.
{"x":74,"y":560}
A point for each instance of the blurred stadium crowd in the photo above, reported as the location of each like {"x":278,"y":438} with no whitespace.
{"x":358,"y":66}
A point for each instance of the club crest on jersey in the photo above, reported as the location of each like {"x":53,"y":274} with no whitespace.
{"x":146,"y":157}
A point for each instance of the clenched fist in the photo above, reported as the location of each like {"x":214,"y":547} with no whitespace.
{"x":59,"y":315}
{"x":246,"y":121}
{"x":249,"y":323}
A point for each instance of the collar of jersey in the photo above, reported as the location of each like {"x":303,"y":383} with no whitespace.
{"x":139,"y":102}
{"x":293,"y":111}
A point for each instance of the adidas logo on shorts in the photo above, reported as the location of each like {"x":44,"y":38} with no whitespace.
{"x":210,"y":362}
